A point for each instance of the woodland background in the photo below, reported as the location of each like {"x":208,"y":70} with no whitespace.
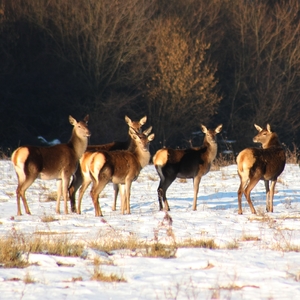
{"x":180,"y":62}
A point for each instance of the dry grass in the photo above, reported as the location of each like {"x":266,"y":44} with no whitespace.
{"x":28,"y":279}
{"x":99,"y":275}
{"x":48,"y":219}
{"x":292,"y":155}
{"x":14,"y":246}
{"x":222,"y":161}
{"x":201,"y":243}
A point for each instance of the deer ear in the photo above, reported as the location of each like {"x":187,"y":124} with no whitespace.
{"x":128,"y":120}
{"x":143,"y":120}
{"x":147,"y":131}
{"x":72,"y":120}
{"x":219,"y":128}
{"x":203,"y":128}
{"x":258,"y":128}
{"x":151,"y":137}
{"x":86,"y":119}
{"x":269,"y":128}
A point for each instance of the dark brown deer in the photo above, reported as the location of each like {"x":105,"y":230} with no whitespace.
{"x":255,"y":164}
{"x":185,"y":163}
{"x":120,"y":167}
{"x":54,"y":162}
{"x":117,"y":145}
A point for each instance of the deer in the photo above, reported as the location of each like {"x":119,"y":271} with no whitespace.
{"x":255,"y":164}
{"x":120,"y":167}
{"x":117,"y":145}
{"x":54,"y":162}
{"x":185,"y":163}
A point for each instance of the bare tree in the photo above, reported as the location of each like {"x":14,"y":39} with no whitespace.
{"x":181,"y":92}
{"x":266,"y":49}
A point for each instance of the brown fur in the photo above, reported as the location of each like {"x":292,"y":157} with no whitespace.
{"x":78,"y":179}
{"x":185,"y":163}
{"x":119,"y":167}
{"x":255,"y":164}
{"x":55,"y":162}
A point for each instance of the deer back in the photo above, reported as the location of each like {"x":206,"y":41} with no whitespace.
{"x":51,"y":161}
{"x":268,"y":161}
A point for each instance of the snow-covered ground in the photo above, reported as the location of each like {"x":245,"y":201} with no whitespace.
{"x":259,"y":266}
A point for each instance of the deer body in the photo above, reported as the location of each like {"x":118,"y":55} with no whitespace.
{"x":119,"y":167}
{"x":82,"y":175}
{"x":255,"y":164}
{"x":54,"y":162}
{"x":185,"y":163}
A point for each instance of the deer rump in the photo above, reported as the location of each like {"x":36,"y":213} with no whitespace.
{"x":183,"y":163}
{"x":116,"y":167}
{"x":44,"y":162}
{"x":268,"y":163}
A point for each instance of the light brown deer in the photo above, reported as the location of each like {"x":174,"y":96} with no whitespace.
{"x":185,"y":163}
{"x":54,"y":162}
{"x":117,"y":145}
{"x":255,"y":164}
{"x":120,"y":167}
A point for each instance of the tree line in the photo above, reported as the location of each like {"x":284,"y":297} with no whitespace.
{"x":180,"y":62}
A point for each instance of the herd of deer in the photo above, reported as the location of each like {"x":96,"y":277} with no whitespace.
{"x":76,"y":164}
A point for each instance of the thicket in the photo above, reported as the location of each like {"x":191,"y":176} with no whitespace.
{"x":180,"y":62}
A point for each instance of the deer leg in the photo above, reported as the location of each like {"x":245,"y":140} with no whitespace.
{"x":95,"y":191}
{"x":162,"y":191}
{"x":116,"y":191}
{"x":22,"y":187}
{"x":196,"y":189}
{"x":58,"y":195}
{"x":240,"y":195}
{"x":267,"y":194}
{"x":84,"y":186}
{"x":127,"y":197}
{"x":65,"y":183}
{"x":123,"y":206}
{"x":244,"y":179}
{"x":272,"y":191}
{"x":74,"y":186}
{"x":252,"y":183}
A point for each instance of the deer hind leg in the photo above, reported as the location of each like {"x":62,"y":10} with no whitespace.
{"x":244,"y":178}
{"x":162,"y":191}
{"x":252,"y":183}
{"x":95,"y":191}
{"x":23,"y":185}
{"x":86,"y":182}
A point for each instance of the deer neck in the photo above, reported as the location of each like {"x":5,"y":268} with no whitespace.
{"x":272,"y":142}
{"x":212,"y":148}
{"x":142,"y":156}
{"x":78,"y":144}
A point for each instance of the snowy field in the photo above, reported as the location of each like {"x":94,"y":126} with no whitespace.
{"x":259,"y":265}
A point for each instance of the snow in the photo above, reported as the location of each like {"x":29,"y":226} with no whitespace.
{"x":258,"y":268}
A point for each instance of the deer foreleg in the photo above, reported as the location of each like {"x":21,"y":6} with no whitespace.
{"x":196,"y":189}
{"x":58,"y":192}
{"x":271,"y":197}
{"x":116,"y":191}
{"x":266,"y":182}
